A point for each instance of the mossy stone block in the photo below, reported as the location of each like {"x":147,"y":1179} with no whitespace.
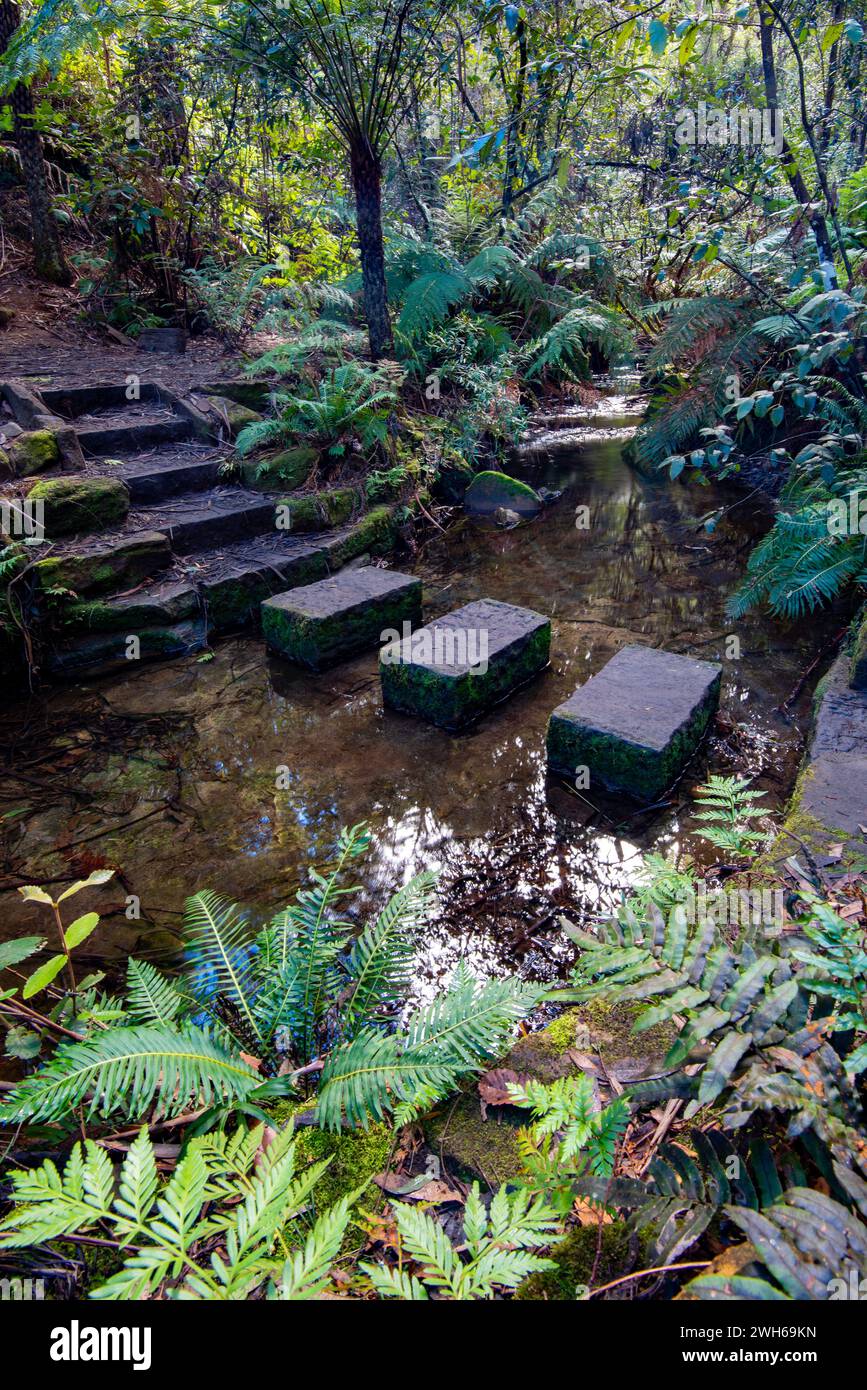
{"x":373,"y":534}
{"x":119,"y":565}
{"x":333,"y":619}
{"x":162,"y":605}
{"x":33,"y":452}
{"x":102,"y":652}
{"x":458,"y":667}
{"x":238,"y":416}
{"x":636,"y":724}
{"x":76,"y":505}
{"x":858,"y":662}
{"x":319,"y":511}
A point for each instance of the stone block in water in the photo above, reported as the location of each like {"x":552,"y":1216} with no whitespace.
{"x":460,"y":665}
{"x":318,"y":624}
{"x":636,"y":724}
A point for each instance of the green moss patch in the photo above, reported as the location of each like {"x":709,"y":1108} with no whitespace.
{"x":587,"y":1252}
{"x":74,"y":505}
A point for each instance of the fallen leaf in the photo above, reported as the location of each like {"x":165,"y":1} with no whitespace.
{"x":494,"y":1085}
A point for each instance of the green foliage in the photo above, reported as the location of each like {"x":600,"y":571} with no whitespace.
{"x":350,"y":403}
{"x":727,"y":807}
{"x":498,"y":1243}
{"x":219,"y":1229}
{"x":807,"y":1245}
{"x":569,"y":1136}
{"x":306,"y":984}
{"x":838,"y":961}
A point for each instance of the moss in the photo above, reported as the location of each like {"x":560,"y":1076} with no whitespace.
{"x":609,"y":1030}
{"x":374,"y":534}
{"x":33,"y":452}
{"x":80,"y":504}
{"x":476,"y":1147}
{"x":356,"y":1156}
{"x":320,"y":510}
{"x":289,"y":469}
{"x":576,"y":1261}
{"x":452,"y":701}
{"x":858,"y":659}
{"x":238,"y":416}
{"x":490,"y":490}
{"x":122,"y":566}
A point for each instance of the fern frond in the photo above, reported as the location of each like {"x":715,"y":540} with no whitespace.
{"x":128,"y":1070}
{"x":151,"y":998}
{"x":380,"y":962}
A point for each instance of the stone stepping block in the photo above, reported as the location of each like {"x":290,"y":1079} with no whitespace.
{"x":636,"y":724}
{"x":318,"y":624}
{"x":459,"y":666}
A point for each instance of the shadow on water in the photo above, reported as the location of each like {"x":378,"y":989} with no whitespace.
{"x":237,"y":773}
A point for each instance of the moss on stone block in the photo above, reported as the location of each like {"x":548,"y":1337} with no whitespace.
{"x":289,"y":469}
{"x":320,"y":511}
{"x":491,"y":490}
{"x":75,"y":505}
{"x":373,"y":534}
{"x":33,"y":452}
{"x":237,"y":415}
{"x":461,"y":665}
{"x":636,"y":723}
{"x":331,"y":620}
{"x":858,"y":660}
{"x":117,"y":566}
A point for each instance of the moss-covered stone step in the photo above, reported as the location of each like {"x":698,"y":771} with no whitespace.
{"x":234,"y":583}
{"x":33,"y":451}
{"x":322,"y":623}
{"x":105,"y":568}
{"x":318,"y":510}
{"x":73,"y":506}
{"x":201,"y":520}
{"x":158,"y":605}
{"x":103,"y":652}
{"x":636,"y":724}
{"x":461,"y":665}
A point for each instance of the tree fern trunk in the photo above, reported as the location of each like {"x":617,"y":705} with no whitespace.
{"x":49,"y":260}
{"x":367,"y":185}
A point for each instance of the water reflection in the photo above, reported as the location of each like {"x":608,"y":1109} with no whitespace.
{"x":243,"y":770}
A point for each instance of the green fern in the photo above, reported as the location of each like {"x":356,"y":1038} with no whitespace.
{"x":569,"y":1136}
{"x":727,"y":807}
{"x":218,"y":1229}
{"x":498,"y":1244}
{"x":128,"y":1070}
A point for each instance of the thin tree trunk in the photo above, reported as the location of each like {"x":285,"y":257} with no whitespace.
{"x":818,"y":224}
{"x":49,"y":260}
{"x":366,"y":172}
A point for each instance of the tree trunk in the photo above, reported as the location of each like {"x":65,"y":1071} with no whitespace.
{"x":49,"y":260}
{"x":818,"y":224}
{"x":366,"y":172}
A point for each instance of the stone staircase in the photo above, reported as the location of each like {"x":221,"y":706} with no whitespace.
{"x":151,"y":550}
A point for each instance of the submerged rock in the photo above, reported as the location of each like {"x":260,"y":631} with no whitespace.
{"x":490,"y":491}
{"x":506,"y":518}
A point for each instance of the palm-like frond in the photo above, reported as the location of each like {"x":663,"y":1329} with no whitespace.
{"x":151,"y":998}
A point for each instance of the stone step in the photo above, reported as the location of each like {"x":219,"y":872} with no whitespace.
{"x":155,"y":480}
{"x":635,"y":724}
{"x":99,"y":653}
{"x":319,"y":624}
{"x":461,"y":665}
{"x":101,"y":441}
{"x":233,"y":581}
{"x":203,"y":520}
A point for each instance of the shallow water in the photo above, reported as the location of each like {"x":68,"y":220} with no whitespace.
{"x":193,"y":750}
